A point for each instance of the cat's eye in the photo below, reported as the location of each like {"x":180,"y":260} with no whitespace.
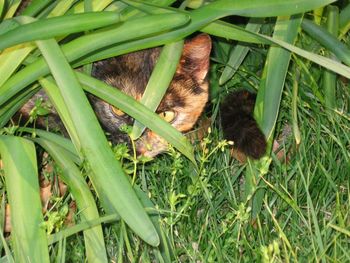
{"x":168,"y":116}
{"x":117,"y":111}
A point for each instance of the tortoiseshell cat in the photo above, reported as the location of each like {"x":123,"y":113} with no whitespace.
{"x":181,"y":106}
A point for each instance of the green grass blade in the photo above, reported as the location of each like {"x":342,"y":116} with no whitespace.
{"x":268,"y":102}
{"x":224,"y":30}
{"x":237,"y":55}
{"x":2,"y":4}
{"x":8,"y":258}
{"x":282,"y":235}
{"x":312,"y":212}
{"x":61,"y":8}
{"x":8,"y":25}
{"x":61,"y":141}
{"x":57,"y":99}
{"x":137,"y":111}
{"x":89,"y":43}
{"x":8,"y":110}
{"x":129,"y":11}
{"x":159,"y":81}
{"x":151,"y":25}
{"x":201,"y":17}
{"x":109,"y":180}
{"x":35,"y":7}
{"x":88,"y":5}
{"x":344,"y":21}
{"x":70,"y":174}
{"x":327,"y":63}
{"x":271,"y":87}
{"x":250,"y":8}
{"x":28,"y":235}
{"x":296,"y":130}
{"x":11,"y":58}
{"x":164,"y":246}
{"x":326,"y":39}
{"x":257,"y":8}
{"x":63,"y":146}
{"x":217,"y":28}
{"x":317,"y":13}
{"x":230,"y":31}
{"x":56,"y":26}
{"x":330,"y":78}
{"x":81,"y":227}
{"x":340,"y":229}
{"x":96,"y":5}
{"x":12,"y":9}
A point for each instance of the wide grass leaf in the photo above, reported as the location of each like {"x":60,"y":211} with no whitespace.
{"x":237,"y":55}
{"x":56,"y":26}
{"x":2,"y":3}
{"x":251,"y":8}
{"x":344,"y":21}
{"x":11,"y":58}
{"x":87,"y":44}
{"x":330,"y":78}
{"x":268,"y":101}
{"x":258,"y":8}
{"x":107,"y":176}
{"x":159,"y":81}
{"x":70,"y":174}
{"x":22,"y":184}
{"x":273,"y":78}
{"x":328,"y":40}
{"x":13,"y":105}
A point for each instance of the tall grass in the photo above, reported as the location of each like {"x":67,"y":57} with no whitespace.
{"x":208,"y":208}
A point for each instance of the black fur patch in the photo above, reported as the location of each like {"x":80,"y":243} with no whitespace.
{"x":239,"y":125}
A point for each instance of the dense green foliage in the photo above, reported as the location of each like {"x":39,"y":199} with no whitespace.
{"x":194,"y":203}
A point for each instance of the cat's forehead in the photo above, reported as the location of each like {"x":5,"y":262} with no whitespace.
{"x":183,"y":91}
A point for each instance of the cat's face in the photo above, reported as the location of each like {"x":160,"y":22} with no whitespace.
{"x":182,"y":104}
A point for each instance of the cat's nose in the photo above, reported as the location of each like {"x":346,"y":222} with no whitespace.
{"x":141,"y":150}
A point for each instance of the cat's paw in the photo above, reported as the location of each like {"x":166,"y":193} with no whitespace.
{"x":247,"y":137}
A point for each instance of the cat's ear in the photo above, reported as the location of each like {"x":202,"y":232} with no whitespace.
{"x":195,"y":57}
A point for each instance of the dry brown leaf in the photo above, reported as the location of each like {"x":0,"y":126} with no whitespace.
{"x":45,"y":193}
{"x":62,"y":187}
{"x":69,"y":221}
{"x":7,"y":226}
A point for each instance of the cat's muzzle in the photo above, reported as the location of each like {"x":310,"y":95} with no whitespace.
{"x":150,"y":144}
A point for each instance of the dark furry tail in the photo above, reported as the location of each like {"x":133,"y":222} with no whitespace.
{"x":239,"y":125}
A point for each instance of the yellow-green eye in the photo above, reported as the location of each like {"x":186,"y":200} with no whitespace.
{"x":117,"y":111}
{"x":168,"y":116}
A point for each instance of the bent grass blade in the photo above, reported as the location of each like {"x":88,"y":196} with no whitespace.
{"x":89,"y":43}
{"x":159,"y":81}
{"x":107,"y":176}
{"x":70,"y":174}
{"x":22,"y":184}
{"x":56,"y":26}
